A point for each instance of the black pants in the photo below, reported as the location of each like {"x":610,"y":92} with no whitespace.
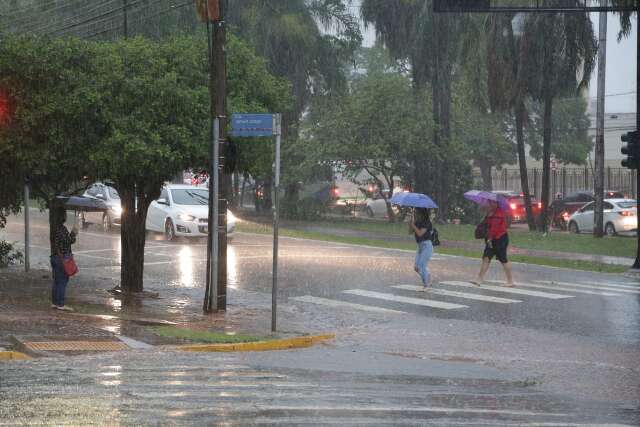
{"x":498,"y":249}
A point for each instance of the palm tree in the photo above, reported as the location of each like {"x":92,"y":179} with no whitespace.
{"x":430,"y":43}
{"x":560,"y":56}
{"x":507,"y":87}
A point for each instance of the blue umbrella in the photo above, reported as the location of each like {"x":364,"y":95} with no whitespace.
{"x":414,"y":200}
{"x":484,"y":197}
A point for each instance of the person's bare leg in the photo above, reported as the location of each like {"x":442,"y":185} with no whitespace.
{"x":507,"y":272}
{"x":483,"y":270}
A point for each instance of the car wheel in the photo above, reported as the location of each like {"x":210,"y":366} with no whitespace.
{"x":369,"y":212}
{"x":169,"y":232}
{"x":107,"y":224}
{"x":609,"y":229}
{"x":573,"y":227}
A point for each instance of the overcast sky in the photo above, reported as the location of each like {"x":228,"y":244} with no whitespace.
{"x":620,"y":84}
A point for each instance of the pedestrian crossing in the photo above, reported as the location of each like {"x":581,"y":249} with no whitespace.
{"x":461,"y":295}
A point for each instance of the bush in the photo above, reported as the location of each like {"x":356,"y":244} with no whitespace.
{"x":9,"y":255}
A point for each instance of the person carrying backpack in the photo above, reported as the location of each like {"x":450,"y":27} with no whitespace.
{"x":496,"y":243}
{"x":422,"y":228}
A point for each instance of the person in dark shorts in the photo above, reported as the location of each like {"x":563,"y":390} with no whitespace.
{"x":420,"y":225}
{"x":496,"y":244}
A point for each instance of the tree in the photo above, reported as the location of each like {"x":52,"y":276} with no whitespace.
{"x":56,"y":117}
{"x":431,"y":43}
{"x":559,"y":46}
{"x":569,"y":127}
{"x":373,"y":130}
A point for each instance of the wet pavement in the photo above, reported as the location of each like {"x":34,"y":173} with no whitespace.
{"x":563,"y":342}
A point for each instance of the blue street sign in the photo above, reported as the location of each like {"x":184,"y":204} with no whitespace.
{"x":252,"y":125}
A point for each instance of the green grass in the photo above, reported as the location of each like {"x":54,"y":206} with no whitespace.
{"x":203,"y":336}
{"x":555,"y":241}
{"x":249,"y":227}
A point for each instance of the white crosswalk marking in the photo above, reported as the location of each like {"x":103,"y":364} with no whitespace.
{"x":627,"y":285}
{"x":577,"y":285}
{"x":464,"y":295}
{"x":516,"y":290}
{"x":336,"y":303}
{"x":562,"y":288}
{"x":406,"y":300}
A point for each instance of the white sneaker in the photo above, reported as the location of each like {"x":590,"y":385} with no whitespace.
{"x":66,"y":308}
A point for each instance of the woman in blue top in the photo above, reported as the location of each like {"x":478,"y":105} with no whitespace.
{"x":420,"y":225}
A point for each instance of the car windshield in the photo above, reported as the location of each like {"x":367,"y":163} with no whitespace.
{"x":190,"y":197}
{"x":113,"y":193}
{"x":627,"y":205}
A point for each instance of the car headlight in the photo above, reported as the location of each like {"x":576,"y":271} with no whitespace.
{"x":186,"y":217}
{"x":230,"y":216}
{"x":116,"y":210}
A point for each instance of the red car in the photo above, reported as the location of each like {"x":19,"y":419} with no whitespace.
{"x":517,"y":212}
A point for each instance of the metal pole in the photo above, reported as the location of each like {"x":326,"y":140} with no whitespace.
{"x":274,"y":289}
{"x":213,"y":279}
{"x":636,"y":264}
{"x":27,"y":264}
{"x":599,"y":154}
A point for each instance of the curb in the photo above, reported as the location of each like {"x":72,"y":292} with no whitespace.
{"x":281,"y":344}
{"x":13,"y":355}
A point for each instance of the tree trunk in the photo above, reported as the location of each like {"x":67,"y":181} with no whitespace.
{"x":485,"y":172}
{"x":522,"y":162}
{"x":546,"y":157}
{"x":599,"y":149}
{"x":445,"y":139}
{"x":132,"y":236}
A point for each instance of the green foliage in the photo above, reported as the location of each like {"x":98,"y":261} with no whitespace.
{"x":9,"y":255}
{"x":570,"y":129}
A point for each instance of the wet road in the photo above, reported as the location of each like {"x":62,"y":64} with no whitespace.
{"x":573,"y":337}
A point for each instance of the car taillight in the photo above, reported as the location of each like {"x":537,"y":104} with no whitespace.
{"x":336,"y":192}
{"x":627,"y":213}
{"x":513,"y":206}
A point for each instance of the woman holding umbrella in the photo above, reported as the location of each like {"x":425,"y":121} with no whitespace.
{"x":497,"y":238}
{"x":422,"y":228}
{"x":420,"y":225}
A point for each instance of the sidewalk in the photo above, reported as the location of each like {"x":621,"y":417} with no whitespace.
{"x":108,"y":321}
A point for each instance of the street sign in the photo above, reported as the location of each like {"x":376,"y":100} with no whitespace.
{"x":247,"y":125}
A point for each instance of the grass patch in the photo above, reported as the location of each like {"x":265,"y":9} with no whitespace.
{"x":618,"y":246}
{"x":469,"y":253}
{"x":203,"y":336}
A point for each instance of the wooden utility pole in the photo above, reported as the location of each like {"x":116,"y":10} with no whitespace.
{"x":599,"y":172}
{"x":216,"y":277}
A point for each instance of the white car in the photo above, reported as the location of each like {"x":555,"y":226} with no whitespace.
{"x":110,"y":196}
{"x":183,"y":210}
{"x":620,"y":215}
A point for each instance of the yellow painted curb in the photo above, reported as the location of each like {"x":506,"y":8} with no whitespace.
{"x":13,"y":355}
{"x":283,"y":344}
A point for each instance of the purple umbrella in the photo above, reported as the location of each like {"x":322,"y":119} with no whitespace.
{"x":484,"y":197}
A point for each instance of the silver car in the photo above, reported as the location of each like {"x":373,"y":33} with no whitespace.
{"x":107,"y":219}
{"x":620,"y":215}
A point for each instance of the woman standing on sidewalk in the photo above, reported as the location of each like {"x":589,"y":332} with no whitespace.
{"x":62,"y":241}
{"x":496,"y":244}
{"x":420,"y":225}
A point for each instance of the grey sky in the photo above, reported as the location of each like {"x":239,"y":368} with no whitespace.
{"x":620,"y":85}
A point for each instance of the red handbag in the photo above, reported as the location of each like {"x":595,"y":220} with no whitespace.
{"x":69,"y":265}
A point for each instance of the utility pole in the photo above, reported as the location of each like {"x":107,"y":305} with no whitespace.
{"x":216,"y":277}
{"x":636,"y":264}
{"x":599,"y":172}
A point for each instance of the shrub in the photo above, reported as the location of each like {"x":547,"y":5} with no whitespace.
{"x":9,"y":255}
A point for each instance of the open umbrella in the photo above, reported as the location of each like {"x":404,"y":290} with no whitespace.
{"x":484,"y":197}
{"x":86,"y":204}
{"x":414,"y":200}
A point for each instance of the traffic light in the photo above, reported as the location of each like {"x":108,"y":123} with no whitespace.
{"x":631,"y":149}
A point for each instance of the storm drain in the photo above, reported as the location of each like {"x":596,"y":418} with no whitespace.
{"x":76,"y":346}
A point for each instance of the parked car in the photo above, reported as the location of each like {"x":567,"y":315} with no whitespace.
{"x":517,"y":212}
{"x":620,"y":215}
{"x":376,"y":205}
{"x":183,"y":210}
{"x":562,"y":209}
{"x":110,"y":217}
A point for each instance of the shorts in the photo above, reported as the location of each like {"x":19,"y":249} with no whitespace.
{"x":498,"y":249}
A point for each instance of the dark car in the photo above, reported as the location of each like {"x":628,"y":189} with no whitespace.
{"x":562,"y":209}
{"x":517,"y":212}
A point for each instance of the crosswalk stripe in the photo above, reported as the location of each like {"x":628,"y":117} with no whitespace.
{"x":336,"y":303}
{"x":406,"y":300}
{"x":563,"y":288}
{"x":465,"y":295}
{"x":519,"y":291}
{"x":616,"y":285}
{"x":577,"y":285}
